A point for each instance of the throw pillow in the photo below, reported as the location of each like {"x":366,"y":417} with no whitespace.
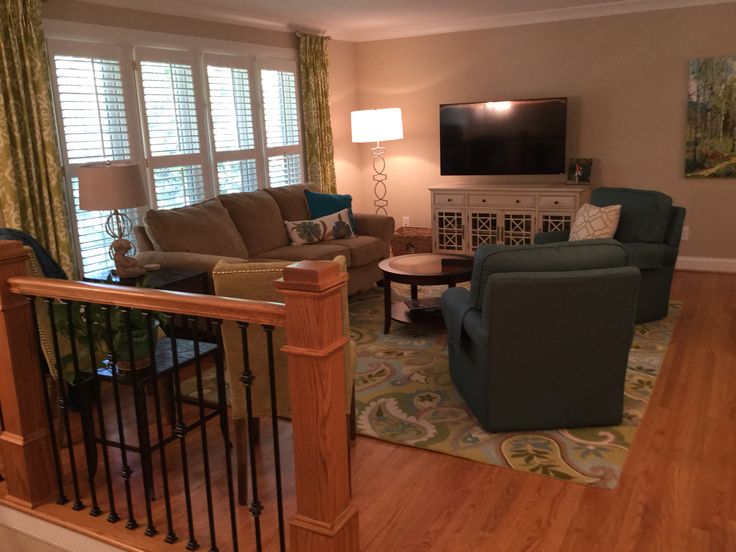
{"x":595,"y":222}
{"x":326,"y":204}
{"x":330,"y":227}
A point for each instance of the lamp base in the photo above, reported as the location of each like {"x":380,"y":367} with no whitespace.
{"x":379,"y":180}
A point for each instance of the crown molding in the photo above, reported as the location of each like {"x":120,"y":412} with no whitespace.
{"x":209,"y":12}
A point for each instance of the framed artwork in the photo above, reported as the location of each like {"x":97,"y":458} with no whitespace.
{"x":710,"y":148}
{"x":578,"y":170}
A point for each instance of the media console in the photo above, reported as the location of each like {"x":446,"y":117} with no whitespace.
{"x":467,"y":216}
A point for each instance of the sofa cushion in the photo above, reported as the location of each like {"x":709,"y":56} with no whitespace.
{"x":291,"y":200}
{"x":312,"y":252}
{"x":649,"y":255}
{"x":560,"y":256}
{"x":258,"y":220}
{"x":595,"y":222}
{"x":645,"y":214}
{"x":363,"y":249}
{"x":320,"y":204}
{"x":202,"y":228}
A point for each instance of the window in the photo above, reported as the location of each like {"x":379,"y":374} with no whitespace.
{"x":201,"y":124}
{"x":93,"y":128}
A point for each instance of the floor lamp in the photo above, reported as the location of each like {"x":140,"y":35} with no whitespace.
{"x":113,"y":186}
{"x":377,"y":125}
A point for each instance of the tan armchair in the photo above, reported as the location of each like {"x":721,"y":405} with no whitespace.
{"x":255,"y":280}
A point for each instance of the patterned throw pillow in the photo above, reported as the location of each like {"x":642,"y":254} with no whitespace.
{"x":595,"y":222}
{"x":329,"y":227}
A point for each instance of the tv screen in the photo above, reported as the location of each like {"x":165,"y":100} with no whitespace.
{"x":519,"y":137}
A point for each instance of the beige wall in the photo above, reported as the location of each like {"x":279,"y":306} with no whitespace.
{"x":98,"y":14}
{"x":626,"y":80}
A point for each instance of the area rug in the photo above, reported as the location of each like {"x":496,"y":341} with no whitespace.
{"x":405,"y":395}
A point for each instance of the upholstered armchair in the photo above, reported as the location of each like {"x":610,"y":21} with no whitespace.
{"x":255,"y":280}
{"x":541,"y":340}
{"x":650,"y":228}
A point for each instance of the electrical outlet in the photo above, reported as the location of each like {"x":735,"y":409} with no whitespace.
{"x":405,"y":221}
{"x":685,"y":233}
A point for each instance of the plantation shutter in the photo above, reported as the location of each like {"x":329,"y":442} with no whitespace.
{"x":232,"y":124}
{"x":90,"y":99}
{"x":171,"y":128}
{"x":281,"y":126}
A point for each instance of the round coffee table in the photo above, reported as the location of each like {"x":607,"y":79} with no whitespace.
{"x":420,"y":269}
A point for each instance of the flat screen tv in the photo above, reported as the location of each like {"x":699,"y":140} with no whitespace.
{"x":517,"y":137}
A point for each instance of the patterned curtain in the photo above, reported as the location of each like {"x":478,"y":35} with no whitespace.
{"x":32,"y":193}
{"x":315,"y":92}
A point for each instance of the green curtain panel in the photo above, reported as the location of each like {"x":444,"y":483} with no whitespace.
{"x":32,"y":194}
{"x":315,"y":92}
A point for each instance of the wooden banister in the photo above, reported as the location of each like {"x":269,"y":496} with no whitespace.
{"x":173,"y":302}
{"x":25,"y":445}
{"x":325,"y":521}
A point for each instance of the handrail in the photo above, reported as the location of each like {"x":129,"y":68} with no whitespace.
{"x":172,"y":302}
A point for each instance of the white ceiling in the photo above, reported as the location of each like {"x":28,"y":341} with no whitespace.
{"x":358,"y":20}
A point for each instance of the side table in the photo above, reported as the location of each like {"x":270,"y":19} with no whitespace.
{"x":171,"y":279}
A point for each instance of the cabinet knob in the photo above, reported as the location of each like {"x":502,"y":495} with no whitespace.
{"x":518,"y":201}
{"x":482,"y":200}
{"x":556,"y":202}
{"x":449,"y":200}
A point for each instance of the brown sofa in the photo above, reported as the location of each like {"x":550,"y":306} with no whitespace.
{"x":250,"y":226}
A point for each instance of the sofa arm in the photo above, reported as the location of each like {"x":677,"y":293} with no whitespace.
{"x":455,"y":304}
{"x":378,"y":226}
{"x":182,"y":260}
{"x":551,"y":237}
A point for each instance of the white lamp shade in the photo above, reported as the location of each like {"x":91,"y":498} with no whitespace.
{"x":110,"y":186}
{"x":377,"y":125}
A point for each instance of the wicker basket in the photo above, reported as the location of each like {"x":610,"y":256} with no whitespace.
{"x":411,"y":239}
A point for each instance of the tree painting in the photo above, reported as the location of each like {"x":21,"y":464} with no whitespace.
{"x":711,"y":119}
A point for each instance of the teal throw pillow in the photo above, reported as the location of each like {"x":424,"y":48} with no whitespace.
{"x":321,"y":205}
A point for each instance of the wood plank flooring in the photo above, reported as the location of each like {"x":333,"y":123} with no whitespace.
{"x":677,"y":492}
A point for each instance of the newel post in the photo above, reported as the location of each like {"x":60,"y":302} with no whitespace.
{"x":25,"y":444}
{"x":325,"y":521}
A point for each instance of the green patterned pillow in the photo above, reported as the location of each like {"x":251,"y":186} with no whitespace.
{"x":305,"y":231}
{"x":329,"y":227}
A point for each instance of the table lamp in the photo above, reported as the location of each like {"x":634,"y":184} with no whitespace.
{"x":112,"y":186}
{"x":377,"y":125}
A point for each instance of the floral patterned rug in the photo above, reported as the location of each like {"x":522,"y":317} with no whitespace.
{"x":405,"y":395}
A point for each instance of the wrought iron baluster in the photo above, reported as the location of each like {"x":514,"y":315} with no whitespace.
{"x":125,"y":472}
{"x":170,"y":534}
{"x":77,"y":505}
{"x":88,"y":425}
{"x":180,"y":432}
{"x":247,"y":377}
{"x":224,"y":426}
{"x":141,"y":419}
{"x":192,"y":322}
{"x":275,"y":431}
{"x":61,"y":498}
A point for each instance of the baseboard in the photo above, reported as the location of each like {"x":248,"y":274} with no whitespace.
{"x":706,"y":264}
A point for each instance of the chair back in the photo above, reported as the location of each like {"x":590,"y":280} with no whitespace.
{"x":645,"y":214}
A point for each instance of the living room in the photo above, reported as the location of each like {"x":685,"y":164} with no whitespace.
{"x":623,"y":68}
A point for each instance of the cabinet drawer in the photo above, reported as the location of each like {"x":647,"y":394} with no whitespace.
{"x":449,"y":199}
{"x":553,"y":202}
{"x":501,"y":200}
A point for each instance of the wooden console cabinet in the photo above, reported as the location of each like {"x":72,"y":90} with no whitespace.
{"x":465,"y":217}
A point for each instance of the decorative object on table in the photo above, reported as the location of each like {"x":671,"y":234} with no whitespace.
{"x":411,"y":239}
{"x":404,"y":395}
{"x":376,"y":125}
{"x":579,"y":170}
{"x":711,"y":119}
{"x":114,"y":186}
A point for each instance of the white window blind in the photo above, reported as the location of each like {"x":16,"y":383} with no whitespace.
{"x":94,"y":129}
{"x":281,"y":120}
{"x":232,"y":119}
{"x":171,"y":114}
{"x":237,"y":176}
{"x":178,"y":186}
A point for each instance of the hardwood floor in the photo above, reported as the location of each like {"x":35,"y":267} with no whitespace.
{"x":677,"y":492}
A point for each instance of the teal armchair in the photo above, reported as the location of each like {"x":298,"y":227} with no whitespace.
{"x":649,"y":229}
{"x":541,"y":339}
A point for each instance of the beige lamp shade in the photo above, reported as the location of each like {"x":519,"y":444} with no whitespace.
{"x":377,"y":125}
{"x":110,"y":186}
